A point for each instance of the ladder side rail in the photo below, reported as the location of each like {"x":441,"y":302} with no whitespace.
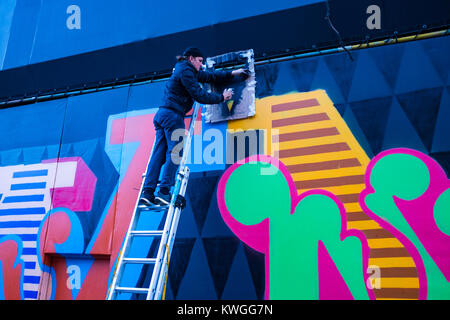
{"x":170,"y":213}
{"x":171,"y":241}
{"x":119,"y":266}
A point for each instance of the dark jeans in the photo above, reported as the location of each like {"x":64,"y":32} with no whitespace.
{"x":166,"y":122}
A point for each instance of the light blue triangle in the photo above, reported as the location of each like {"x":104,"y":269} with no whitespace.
{"x":214,"y":225}
{"x":52,"y":151}
{"x":85,"y":149}
{"x":285,"y":82}
{"x":323,"y":79}
{"x":357,"y":132}
{"x":368,"y":82}
{"x":441,"y":138}
{"x":197,"y":283}
{"x":239,"y":284}
{"x":187,"y":228}
{"x":11,"y":157}
{"x":77,"y":268}
{"x":33,"y":154}
{"x":400,"y":133}
{"x":416,"y":71}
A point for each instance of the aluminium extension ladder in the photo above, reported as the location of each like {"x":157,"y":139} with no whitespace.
{"x":160,"y":263}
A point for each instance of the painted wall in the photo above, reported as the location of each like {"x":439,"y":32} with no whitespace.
{"x":340,"y":191}
{"x":30,"y":27}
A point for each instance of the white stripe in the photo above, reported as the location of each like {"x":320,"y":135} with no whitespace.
{"x":29,"y":258}
{"x":25,"y":217}
{"x":30,"y":286}
{"x":26,"y":192}
{"x":30,"y":180}
{"x":19,"y":230}
{"x":29,"y":244}
{"x":45,"y":203}
{"x":32,"y":272}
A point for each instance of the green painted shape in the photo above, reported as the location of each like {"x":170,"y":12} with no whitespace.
{"x":252,"y":196}
{"x":442,"y":212}
{"x":294,"y":270}
{"x":407,"y":177}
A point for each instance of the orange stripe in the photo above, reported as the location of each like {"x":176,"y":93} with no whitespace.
{"x":334,"y":147}
{"x":300,"y":119}
{"x":389,"y":253}
{"x":377,"y":234}
{"x":329,"y":182}
{"x":404,"y":293}
{"x":295,"y":105}
{"x":317,"y":133}
{"x":324,"y":165}
{"x":348,"y":198}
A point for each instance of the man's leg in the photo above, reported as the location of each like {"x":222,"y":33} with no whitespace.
{"x":157,"y":159}
{"x":174,"y":136}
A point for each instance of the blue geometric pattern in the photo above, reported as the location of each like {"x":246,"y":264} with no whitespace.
{"x":390,"y":96}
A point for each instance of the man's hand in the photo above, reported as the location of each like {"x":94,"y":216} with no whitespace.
{"x":227,"y":94}
{"x":243,"y":73}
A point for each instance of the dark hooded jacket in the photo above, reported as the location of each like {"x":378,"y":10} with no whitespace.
{"x":184,"y":87}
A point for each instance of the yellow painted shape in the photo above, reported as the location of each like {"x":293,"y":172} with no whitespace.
{"x":392,"y":262}
{"x":294,"y":144}
{"x":297,"y":112}
{"x":328,"y":156}
{"x":399,"y":283}
{"x":363,"y":225}
{"x":323,"y":174}
{"x":347,"y":189}
{"x":353,"y":207}
{"x":230,"y":104}
{"x":395,"y":299}
{"x":303,"y":127}
{"x":384,"y":243}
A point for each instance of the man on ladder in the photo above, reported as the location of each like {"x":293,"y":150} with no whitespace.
{"x":182,"y":89}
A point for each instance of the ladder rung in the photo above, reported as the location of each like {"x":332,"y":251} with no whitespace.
{"x":149,"y":233}
{"x":132,"y":290}
{"x":153,"y":209}
{"x":140,"y":260}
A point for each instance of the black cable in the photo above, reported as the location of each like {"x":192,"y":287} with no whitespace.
{"x":341,"y":43}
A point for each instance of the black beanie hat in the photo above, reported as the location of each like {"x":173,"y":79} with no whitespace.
{"x":192,"y":51}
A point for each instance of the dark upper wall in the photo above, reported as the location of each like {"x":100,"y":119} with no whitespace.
{"x":44,"y":56}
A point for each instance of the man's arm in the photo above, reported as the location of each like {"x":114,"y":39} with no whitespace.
{"x":216,"y":76}
{"x":190,"y":82}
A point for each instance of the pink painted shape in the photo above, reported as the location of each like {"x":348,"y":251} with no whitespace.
{"x":80,"y":196}
{"x":258,"y":237}
{"x":55,"y":230}
{"x":420,"y":215}
{"x":409,"y":246}
{"x":198,"y":125}
{"x":345,"y":233}
{"x":125,"y":130}
{"x":11,"y":274}
{"x":331,"y":284}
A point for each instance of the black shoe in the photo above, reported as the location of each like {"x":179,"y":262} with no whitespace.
{"x":163,"y":198}
{"x":147,"y":199}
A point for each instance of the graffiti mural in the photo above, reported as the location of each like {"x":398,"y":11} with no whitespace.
{"x":259,"y":202}
{"x":337,"y":187}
